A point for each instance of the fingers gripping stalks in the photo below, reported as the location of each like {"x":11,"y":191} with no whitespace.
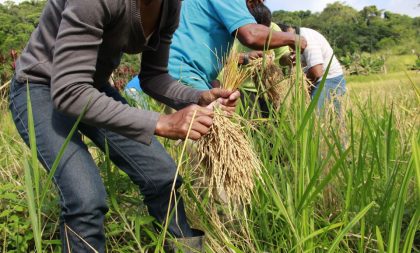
{"x":175,"y":126}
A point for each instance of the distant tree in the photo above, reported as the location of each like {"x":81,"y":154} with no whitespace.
{"x":17,"y":23}
{"x":350,"y":31}
{"x":370,"y":12}
{"x":293,"y":18}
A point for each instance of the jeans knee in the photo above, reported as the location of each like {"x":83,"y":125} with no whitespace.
{"x":168,"y":177}
{"x":88,"y":202}
{"x":162,"y":182}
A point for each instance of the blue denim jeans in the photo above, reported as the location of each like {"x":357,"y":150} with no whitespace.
{"x":82,"y":192}
{"x":334,"y":89}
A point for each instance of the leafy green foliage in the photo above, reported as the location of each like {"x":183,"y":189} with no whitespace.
{"x":416,"y":65}
{"x":363,"y":64}
{"x":350,"y":31}
{"x":17,"y":23}
{"x":16,"y":235}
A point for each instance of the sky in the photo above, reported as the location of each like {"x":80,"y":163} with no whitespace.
{"x":409,"y":7}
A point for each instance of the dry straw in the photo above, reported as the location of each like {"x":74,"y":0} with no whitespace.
{"x":270,"y":80}
{"x":231,"y":162}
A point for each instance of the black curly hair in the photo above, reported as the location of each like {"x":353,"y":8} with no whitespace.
{"x":262,"y":14}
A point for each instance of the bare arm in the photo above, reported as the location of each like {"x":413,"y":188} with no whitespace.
{"x":256,"y":36}
{"x":315,"y":73}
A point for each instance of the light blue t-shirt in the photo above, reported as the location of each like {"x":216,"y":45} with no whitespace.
{"x":203,"y":38}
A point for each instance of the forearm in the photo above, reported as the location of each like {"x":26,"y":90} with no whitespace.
{"x":260,"y":37}
{"x":170,"y":92}
{"x":104,"y":111}
{"x":314,"y":73}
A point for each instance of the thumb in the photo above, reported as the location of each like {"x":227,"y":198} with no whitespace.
{"x":212,"y":105}
{"x":220,"y":93}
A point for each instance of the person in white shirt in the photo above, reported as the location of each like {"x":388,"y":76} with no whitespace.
{"x":315,"y":61}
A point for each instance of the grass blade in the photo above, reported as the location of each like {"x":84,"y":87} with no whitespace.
{"x":310,"y":197}
{"x":413,"y":226}
{"x":395,"y":234}
{"x":33,"y":148}
{"x":32,"y":207}
{"x":33,"y":197}
{"x":416,"y":158}
{"x":380,"y":240}
{"x":61,"y":153}
{"x":411,"y":232}
{"x":314,"y":101}
{"x":353,"y":222}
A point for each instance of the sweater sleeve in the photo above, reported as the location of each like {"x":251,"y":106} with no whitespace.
{"x":154,"y":77}
{"x":74,"y":64}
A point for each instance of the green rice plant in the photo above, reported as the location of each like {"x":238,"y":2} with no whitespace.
{"x":32,"y":182}
{"x":413,"y":227}
{"x":317,"y":194}
{"x":110,"y":175}
{"x":35,"y":197}
{"x":172,"y":198}
{"x":349,"y":226}
{"x":324,"y":187}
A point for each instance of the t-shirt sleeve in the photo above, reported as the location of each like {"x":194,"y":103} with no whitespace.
{"x":233,"y":13}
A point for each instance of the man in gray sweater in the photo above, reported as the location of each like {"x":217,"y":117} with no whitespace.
{"x":66,"y":64}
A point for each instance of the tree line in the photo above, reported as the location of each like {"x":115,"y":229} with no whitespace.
{"x":351,"y":31}
{"x":347,"y":29}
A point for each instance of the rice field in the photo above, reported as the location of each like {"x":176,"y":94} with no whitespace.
{"x":327,"y":185}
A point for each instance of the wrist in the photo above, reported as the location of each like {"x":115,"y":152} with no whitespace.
{"x":160,"y":125}
{"x":296,"y":40}
{"x":202,"y":100}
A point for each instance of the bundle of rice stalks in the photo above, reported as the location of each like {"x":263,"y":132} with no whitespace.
{"x":270,"y":80}
{"x":231,"y":163}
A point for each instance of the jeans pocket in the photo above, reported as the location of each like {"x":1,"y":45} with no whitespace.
{"x":39,"y":93}
{"x":15,"y":87}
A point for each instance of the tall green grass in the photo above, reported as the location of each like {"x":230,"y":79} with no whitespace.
{"x":326,"y":186}
{"x":36,"y":194}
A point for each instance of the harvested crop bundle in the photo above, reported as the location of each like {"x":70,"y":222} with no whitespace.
{"x":231,"y":162}
{"x":271,"y":81}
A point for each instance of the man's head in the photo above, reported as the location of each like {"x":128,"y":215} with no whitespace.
{"x":262,"y":14}
{"x":252,"y":3}
{"x":287,"y":28}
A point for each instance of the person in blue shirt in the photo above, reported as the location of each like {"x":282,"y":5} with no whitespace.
{"x":206,"y":32}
